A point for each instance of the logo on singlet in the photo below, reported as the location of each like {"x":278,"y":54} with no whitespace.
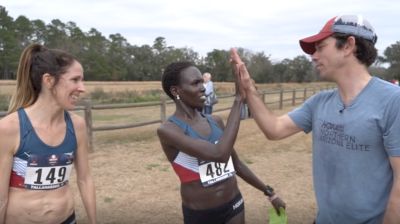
{"x":53,"y":160}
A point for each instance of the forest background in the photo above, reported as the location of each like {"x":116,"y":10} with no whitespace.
{"x":113,"y":58}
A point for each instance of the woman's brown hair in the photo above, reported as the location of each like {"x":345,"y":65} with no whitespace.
{"x":35,"y":61}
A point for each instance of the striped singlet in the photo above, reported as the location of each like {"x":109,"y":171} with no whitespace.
{"x":186,"y":166}
{"x":38,"y":166}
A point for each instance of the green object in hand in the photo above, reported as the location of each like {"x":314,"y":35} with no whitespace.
{"x":274,"y":218}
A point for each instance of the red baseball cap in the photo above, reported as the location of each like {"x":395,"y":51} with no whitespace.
{"x":354,"y":25}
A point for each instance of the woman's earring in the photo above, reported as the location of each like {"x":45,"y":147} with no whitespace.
{"x":177,"y":97}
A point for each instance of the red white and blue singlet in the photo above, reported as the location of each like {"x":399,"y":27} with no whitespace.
{"x":38,"y":166}
{"x":189,"y":168}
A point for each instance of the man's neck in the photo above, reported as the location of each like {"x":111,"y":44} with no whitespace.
{"x":351,"y":82}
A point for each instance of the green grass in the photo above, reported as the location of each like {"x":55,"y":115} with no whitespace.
{"x":165,"y":168}
{"x":99,"y":96}
{"x":151,"y":166}
{"x":247,"y":161}
{"x":108,"y":199}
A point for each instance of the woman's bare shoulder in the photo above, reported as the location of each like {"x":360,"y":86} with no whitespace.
{"x":9,"y":124}
{"x":9,"y":129}
{"x":77,"y":120}
{"x":167,"y":127}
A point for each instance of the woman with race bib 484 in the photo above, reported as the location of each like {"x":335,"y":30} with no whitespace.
{"x":201,"y":152}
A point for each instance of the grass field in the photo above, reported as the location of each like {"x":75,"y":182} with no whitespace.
{"x":8,"y":86}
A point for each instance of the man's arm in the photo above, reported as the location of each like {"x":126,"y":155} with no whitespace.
{"x":272,"y":126}
{"x":392,"y":214}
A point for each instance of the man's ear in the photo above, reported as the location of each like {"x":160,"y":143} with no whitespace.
{"x":350,"y":45}
{"x":48,"y":80}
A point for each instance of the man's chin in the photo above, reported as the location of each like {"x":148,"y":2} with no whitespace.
{"x":323,"y":77}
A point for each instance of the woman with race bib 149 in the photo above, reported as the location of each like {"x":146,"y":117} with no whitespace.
{"x":41,"y":141}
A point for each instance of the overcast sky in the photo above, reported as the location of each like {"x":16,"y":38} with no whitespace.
{"x":273,"y":27}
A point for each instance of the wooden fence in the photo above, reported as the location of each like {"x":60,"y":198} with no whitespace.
{"x":275,"y":99}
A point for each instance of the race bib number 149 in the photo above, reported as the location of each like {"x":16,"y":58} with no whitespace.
{"x":42,"y":178}
{"x":48,"y":172}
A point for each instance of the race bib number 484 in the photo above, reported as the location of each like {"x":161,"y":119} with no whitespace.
{"x":214,"y":172}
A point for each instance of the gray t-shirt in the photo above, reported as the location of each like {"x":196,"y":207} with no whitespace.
{"x":351,"y":149}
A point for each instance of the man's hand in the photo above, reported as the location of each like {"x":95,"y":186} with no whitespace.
{"x":243,"y":80}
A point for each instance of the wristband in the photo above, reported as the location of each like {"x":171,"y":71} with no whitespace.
{"x":269,"y":191}
{"x":273,"y":197}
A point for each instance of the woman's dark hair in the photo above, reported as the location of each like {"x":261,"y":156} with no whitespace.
{"x":366,"y":52}
{"x":172,"y":75}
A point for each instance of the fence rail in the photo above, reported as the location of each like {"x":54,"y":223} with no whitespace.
{"x":275,"y":99}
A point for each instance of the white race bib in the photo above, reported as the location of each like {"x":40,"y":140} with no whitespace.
{"x":48,"y":172}
{"x":214,"y":172}
{"x":45,"y":178}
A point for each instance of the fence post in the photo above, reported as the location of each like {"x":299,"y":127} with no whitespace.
{"x":88,"y":120}
{"x":281,"y":99}
{"x":163,"y":107}
{"x":305,"y":94}
{"x":294,"y":97}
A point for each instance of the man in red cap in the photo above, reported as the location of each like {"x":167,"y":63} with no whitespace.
{"x":355,"y":128}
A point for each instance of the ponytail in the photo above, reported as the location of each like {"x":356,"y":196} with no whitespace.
{"x":35,"y":61}
{"x":24,"y":94}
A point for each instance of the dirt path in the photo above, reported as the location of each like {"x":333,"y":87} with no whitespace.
{"x":136,"y":184}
